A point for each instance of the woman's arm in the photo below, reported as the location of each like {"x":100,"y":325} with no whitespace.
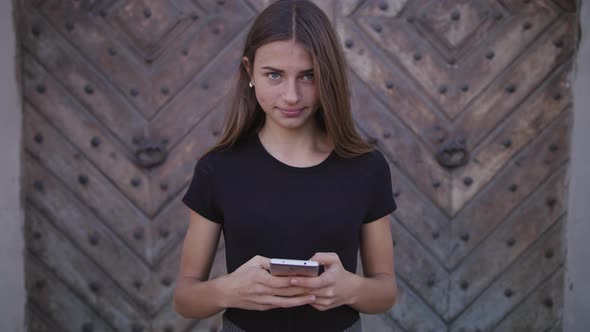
{"x":249,"y":287}
{"x":377,"y":291}
{"x":194,"y":296}
{"x":374,"y":293}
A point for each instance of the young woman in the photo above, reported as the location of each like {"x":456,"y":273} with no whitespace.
{"x":289,"y":178}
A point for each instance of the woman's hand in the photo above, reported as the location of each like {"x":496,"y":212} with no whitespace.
{"x":252,"y":287}
{"x":334,"y":287}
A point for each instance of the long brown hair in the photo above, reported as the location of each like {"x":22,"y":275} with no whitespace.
{"x":307,"y":24}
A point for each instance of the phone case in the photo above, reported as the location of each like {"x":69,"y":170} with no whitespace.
{"x":289,"y":267}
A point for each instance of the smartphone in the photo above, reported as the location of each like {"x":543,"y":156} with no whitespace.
{"x":293,"y":267}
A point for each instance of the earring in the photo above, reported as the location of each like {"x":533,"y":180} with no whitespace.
{"x":250,"y":84}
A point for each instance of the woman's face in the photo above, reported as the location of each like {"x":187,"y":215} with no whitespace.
{"x":284,"y":84}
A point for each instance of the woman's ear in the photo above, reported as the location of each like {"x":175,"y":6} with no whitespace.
{"x":246,"y":63}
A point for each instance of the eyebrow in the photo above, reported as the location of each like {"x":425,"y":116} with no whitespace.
{"x":280,"y":71}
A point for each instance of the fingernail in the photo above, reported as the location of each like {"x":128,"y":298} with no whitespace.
{"x":294,"y":281}
{"x":312,"y":298}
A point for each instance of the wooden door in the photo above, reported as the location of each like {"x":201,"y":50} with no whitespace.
{"x":469,"y":100}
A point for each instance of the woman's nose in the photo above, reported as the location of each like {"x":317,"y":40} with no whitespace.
{"x":291,"y":92}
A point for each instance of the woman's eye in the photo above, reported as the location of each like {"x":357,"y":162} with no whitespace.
{"x":273,"y":76}
{"x":308,"y":77}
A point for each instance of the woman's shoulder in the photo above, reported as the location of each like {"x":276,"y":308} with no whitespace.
{"x":372,"y":158}
{"x":375,"y":155}
{"x":365,"y":164}
{"x":373,"y":161}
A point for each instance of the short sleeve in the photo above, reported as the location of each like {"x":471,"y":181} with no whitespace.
{"x":380,"y":193}
{"x":200,"y":195}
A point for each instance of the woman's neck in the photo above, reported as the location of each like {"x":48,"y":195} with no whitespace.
{"x":308,"y":143}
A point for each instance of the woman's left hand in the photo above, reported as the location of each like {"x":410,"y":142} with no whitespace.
{"x":333,"y":288}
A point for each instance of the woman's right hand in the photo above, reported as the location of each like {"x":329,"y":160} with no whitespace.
{"x":252,"y":287}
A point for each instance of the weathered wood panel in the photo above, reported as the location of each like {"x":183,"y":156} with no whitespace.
{"x":501,"y":146}
{"x":71,"y":119}
{"x":91,"y":283}
{"x":505,"y":295}
{"x":85,"y":181}
{"x":528,"y":169}
{"x":517,"y":233}
{"x":64,"y":307}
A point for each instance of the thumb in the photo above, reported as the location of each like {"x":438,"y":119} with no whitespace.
{"x":261,"y":261}
{"x":326,"y":258}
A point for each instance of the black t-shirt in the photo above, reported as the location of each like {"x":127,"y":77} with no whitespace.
{"x":271,"y":209}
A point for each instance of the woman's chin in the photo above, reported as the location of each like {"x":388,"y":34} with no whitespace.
{"x":292,"y":122}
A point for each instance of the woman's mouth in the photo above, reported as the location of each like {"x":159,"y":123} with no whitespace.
{"x":291,"y":112}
